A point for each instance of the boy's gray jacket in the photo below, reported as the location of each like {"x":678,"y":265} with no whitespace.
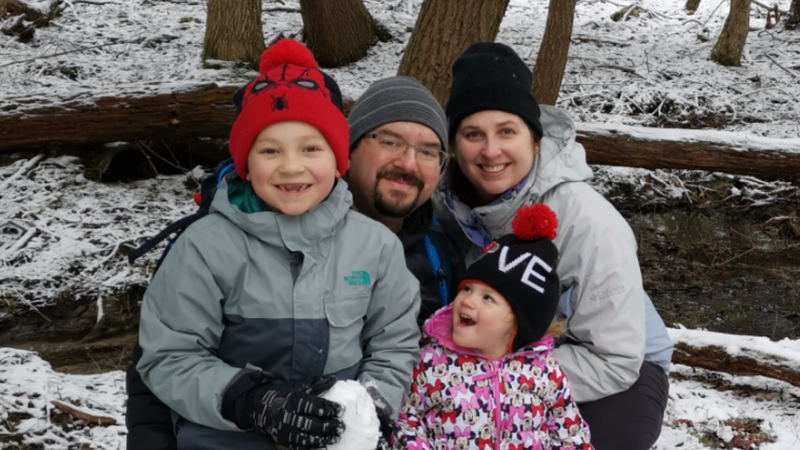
{"x":598,"y":265}
{"x":232,"y":297}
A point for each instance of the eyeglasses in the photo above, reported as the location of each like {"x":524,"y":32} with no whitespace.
{"x":426,"y":154}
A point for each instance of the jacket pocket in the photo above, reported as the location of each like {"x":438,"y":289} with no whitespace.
{"x":346,"y":317}
{"x":344,"y":311}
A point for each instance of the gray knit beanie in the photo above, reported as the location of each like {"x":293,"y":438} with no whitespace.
{"x":396,"y":99}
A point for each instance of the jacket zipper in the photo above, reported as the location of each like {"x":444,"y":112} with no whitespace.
{"x":295,"y":265}
{"x":496,"y":365}
{"x":498,"y":404}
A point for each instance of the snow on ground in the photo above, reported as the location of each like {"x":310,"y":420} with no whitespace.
{"x":62,"y":235}
{"x":144,"y":47}
{"x":713,"y":410}
{"x":28,"y":417}
{"x":785,"y":352}
{"x":706,"y":409}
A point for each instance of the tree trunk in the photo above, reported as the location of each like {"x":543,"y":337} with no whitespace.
{"x":233,"y":31}
{"x":692,"y":5}
{"x":794,"y":16}
{"x":717,"y":359}
{"x":715,"y":151}
{"x":205,"y":111}
{"x":200,"y":111}
{"x":208,"y":112}
{"x":549,"y":70}
{"x":444,"y":29}
{"x":728,"y":50}
{"x":338,"y":32}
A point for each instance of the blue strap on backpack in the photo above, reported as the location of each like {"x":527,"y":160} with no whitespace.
{"x":436,"y":265}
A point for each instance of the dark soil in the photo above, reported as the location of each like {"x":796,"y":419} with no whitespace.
{"x":715,"y":262}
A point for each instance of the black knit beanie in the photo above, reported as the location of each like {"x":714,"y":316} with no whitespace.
{"x":522,"y":267}
{"x":491,"y":76}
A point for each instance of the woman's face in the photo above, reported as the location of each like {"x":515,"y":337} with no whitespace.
{"x":494,"y":150}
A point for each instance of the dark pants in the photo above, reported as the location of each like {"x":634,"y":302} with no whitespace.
{"x":149,"y":421}
{"x":630,"y":420}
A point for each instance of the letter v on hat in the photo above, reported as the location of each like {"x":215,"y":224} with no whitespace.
{"x":505,"y":267}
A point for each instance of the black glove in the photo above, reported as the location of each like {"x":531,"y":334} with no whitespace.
{"x":384,"y":417}
{"x":296,"y":418}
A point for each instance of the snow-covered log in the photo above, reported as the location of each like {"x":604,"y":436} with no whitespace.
{"x":670,"y":148}
{"x":207,"y":111}
{"x":738,"y":355}
{"x":204,"y":111}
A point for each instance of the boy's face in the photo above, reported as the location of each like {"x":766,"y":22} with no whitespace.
{"x":291,"y":167}
{"x":483,"y":320}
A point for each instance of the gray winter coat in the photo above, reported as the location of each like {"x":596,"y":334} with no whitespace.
{"x":325,"y":292}
{"x":599,"y":269}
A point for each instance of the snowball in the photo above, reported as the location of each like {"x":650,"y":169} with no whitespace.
{"x":362,"y":428}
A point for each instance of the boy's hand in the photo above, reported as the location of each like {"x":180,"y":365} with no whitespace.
{"x":297,"y":418}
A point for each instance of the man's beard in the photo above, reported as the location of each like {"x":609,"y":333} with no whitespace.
{"x":393,"y":205}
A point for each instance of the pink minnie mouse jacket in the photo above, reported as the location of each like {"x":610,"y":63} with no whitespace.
{"x":461,"y":400}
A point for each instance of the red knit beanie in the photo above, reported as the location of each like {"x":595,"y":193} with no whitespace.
{"x":290,"y":88}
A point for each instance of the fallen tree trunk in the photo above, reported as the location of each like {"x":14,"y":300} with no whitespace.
{"x":715,"y":151}
{"x":737,"y":354}
{"x":717,"y":359}
{"x":207,"y":111}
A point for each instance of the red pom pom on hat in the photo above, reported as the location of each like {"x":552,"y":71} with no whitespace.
{"x":286,"y":51}
{"x":535,"y":221}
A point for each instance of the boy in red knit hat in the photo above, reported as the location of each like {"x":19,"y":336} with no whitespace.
{"x":282,"y":289}
{"x":487,"y":379}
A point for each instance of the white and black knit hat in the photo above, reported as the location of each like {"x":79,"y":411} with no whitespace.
{"x":396,"y":99}
{"x":522,"y":268}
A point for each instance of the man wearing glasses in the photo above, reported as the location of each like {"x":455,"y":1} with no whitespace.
{"x":398,"y":136}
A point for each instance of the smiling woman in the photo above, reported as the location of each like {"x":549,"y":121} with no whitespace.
{"x":509,"y":152}
{"x":495,"y":151}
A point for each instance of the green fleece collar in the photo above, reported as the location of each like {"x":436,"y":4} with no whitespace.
{"x":304,"y":232}
{"x":242,"y":195}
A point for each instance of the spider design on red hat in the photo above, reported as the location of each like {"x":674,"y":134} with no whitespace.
{"x":287,"y":76}
{"x":279,"y":102}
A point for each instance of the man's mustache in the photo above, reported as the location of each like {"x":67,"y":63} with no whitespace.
{"x":401,"y":176}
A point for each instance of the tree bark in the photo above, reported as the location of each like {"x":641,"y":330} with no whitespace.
{"x":338,"y":32}
{"x":233,"y":31}
{"x":552,"y":60}
{"x":728,"y":50}
{"x":208,"y":112}
{"x":444,"y":29}
{"x":692,"y":5}
{"x":201,"y":111}
{"x":716,"y":358}
{"x":793,"y":22}
{"x":715,"y":151}
{"x":205,"y":111}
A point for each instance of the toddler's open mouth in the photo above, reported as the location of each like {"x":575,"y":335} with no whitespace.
{"x":466,"y":320}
